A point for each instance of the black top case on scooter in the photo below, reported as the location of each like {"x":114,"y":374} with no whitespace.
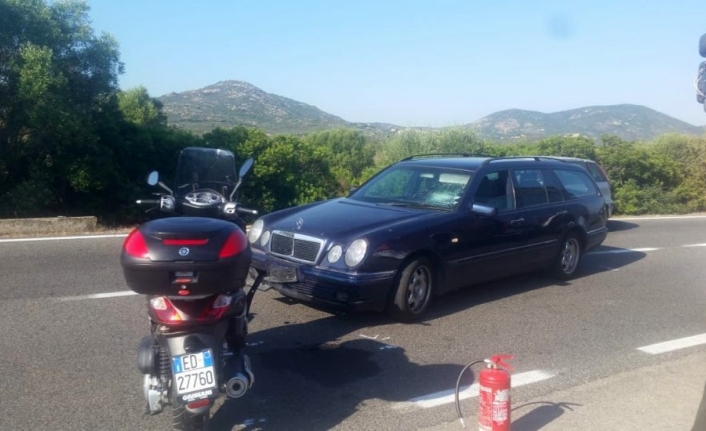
{"x":181,"y":256}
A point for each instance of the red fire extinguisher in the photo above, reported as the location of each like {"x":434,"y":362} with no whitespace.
{"x":494,"y":395}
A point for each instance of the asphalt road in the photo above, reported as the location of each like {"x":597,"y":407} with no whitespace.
{"x":68,"y":352}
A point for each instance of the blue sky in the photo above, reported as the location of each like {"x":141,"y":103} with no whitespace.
{"x":418,"y":63}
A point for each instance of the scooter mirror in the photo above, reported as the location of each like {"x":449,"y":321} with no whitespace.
{"x":246,"y":167}
{"x":153,"y":178}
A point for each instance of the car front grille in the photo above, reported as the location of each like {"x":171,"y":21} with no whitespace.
{"x":293,"y":245}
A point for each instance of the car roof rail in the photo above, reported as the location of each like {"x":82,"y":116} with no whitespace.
{"x":560,"y":158}
{"x":428,"y":156}
{"x":536,"y":158}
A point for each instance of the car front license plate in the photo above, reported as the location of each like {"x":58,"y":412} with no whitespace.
{"x":194,"y":372}
{"x":281,"y":274}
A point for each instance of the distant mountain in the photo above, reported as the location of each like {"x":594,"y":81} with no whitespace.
{"x":630,"y":122}
{"x":231,"y":103}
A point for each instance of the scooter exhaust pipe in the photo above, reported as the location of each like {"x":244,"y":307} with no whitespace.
{"x":243,"y":377}
{"x":237,"y":386}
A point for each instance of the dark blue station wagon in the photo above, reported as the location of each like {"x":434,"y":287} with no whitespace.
{"x":430,"y":224}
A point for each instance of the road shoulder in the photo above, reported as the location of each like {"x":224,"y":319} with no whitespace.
{"x":662,"y":396}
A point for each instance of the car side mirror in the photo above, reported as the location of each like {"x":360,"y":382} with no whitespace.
{"x":484,"y":210}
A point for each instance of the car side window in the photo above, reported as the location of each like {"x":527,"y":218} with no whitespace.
{"x":529,"y":188}
{"x":577,"y":184}
{"x":495,"y":190}
{"x":555,"y":191}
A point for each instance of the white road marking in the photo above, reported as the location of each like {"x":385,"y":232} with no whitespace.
{"x":660,"y":217}
{"x":624,"y":250}
{"x":449,"y":396}
{"x":97,"y":296}
{"x":58,"y":238}
{"x":695,"y":245}
{"x":607,"y":268}
{"x":668,"y":346}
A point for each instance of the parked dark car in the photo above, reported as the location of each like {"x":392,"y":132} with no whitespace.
{"x":430,"y":224}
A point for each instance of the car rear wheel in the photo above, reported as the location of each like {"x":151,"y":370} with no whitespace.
{"x":413,"y":290}
{"x":567,"y":261}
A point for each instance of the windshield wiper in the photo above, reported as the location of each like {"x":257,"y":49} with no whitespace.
{"x":415,"y":205}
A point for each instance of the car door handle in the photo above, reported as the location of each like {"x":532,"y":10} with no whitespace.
{"x":517,"y":222}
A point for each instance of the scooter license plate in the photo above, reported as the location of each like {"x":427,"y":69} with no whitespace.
{"x":194,"y":373}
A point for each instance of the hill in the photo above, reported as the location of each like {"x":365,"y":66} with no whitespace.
{"x":630,"y":122}
{"x":231,"y":103}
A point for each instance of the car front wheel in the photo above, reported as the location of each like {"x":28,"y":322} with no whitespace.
{"x":413,"y":290}
{"x":567,"y":261}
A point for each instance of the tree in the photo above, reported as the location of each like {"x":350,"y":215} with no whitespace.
{"x":55,"y":78}
{"x":689,"y":152}
{"x":288,"y":170}
{"x":351,"y":154}
{"x":139,"y":108}
{"x":413,"y":142}
{"x":567,"y":146}
{"x":629,"y":161}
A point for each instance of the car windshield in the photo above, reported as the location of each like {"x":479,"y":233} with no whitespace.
{"x":416,"y":186}
{"x":200,"y":168}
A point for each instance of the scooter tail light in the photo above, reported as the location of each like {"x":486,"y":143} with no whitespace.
{"x":217,"y":309}
{"x":136,"y":246}
{"x":200,"y":403}
{"x":235,"y":243}
{"x":165,"y":310}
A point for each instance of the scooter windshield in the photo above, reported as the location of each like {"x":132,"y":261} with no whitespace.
{"x":205,"y":168}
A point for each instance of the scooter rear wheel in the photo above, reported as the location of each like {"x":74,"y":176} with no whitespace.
{"x":183,"y":420}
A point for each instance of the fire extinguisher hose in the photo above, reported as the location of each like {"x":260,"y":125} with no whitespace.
{"x":458,"y":385}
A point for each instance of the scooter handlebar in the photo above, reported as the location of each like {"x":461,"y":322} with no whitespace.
{"x":147,"y":202}
{"x":247,"y":211}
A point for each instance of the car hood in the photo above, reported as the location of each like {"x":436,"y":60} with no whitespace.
{"x":345,"y":218}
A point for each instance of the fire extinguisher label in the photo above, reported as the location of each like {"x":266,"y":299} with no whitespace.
{"x":500,"y":412}
{"x":502,"y":395}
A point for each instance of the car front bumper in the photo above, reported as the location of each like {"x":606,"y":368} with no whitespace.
{"x":326,"y":288}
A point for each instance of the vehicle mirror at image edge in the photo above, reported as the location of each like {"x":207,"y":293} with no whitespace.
{"x":484,"y":210}
{"x":153,"y":178}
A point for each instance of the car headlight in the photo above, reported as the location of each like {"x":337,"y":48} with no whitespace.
{"x":255,"y":230}
{"x":335,"y":253}
{"x":356,"y":252}
{"x":265,"y":238}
